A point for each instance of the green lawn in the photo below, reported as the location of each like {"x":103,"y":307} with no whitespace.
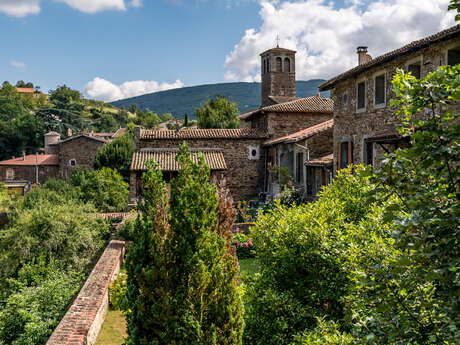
{"x":113,"y":330}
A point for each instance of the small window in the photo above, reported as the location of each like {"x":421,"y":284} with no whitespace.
{"x":368,"y":153}
{"x":287,"y":65}
{"x":72,"y":162}
{"x":379,"y":96}
{"x":279,"y":64}
{"x":299,"y":167}
{"x":415,"y":69}
{"x":361,"y":95}
{"x":345,"y":99}
{"x":264,"y":66}
{"x":10,"y":174}
{"x":453,"y":56}
{"x":268,"y":65}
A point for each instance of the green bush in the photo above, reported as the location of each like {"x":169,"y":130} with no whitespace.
{"x":104,"y":188}
{"x":326,"y":332}
{"x":54,"y":191}
{"x":306,"y":254}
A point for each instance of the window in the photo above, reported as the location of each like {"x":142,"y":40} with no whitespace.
{"x":287,"y":65}
{"x":72,"y":162}
{"x":379,"y":94}
{"x":279,"y":64}
{"x":299,"y":167}
{"x":345,"y":99}
{"x":344,"y":154}
{"x":453,"y":56}
{"x":415,"y":69}
{"x":264,"y":66}
{"x":311,"y":181}
{"x":268,"y":65}
{"x":361,"y":95}
{"x":9,"y":174}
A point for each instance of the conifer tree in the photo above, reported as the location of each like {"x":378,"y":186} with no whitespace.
{"x":182,"y":273}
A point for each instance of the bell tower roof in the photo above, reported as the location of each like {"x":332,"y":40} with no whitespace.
{"x":278,"y":50}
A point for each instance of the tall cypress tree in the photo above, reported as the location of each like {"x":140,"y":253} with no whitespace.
{"x":182,"y":273}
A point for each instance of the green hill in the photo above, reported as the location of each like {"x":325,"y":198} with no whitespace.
{"x":187,"y":99}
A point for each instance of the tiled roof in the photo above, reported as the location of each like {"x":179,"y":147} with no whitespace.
{"x":278,"y":50}
{"x":302,"y":134}
{"x":314,"y":104}
{"x":239,"y":133}
{"x":326,"y":160}
{"x":119,"y":132}
{"x":166,"y":159}
{"x":25,"y":89}
{"x":282,"y":99}
{"x":32,"y":160}
{"x":93,"y":137}
{"x":407,"y":49}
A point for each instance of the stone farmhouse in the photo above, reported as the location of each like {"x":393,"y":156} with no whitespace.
{"x":364,"y":122}
{"x":246,"y":157}
{"x":60,"y":157}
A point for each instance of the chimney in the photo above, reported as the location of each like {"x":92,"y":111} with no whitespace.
{"x":363,"y":56}
{"x":23,"y":155}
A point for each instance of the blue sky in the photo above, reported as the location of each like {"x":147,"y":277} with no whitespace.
{"x":128,"y":47}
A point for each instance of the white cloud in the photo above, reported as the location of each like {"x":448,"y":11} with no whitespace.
{"x":20,"y":8}
{"x":93,"y":6}
{"x":104,"y":90}
{"x":19,"y":65}
{"x":326,"y":37}
{"x":136,"y":3}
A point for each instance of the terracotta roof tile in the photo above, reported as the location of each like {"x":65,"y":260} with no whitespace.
{"x":31,"y":160}
{"x":326,"y":160}
{"x":282,"y":99}
{"x":302,"y":134}
{"x":166,"y":159}
{"x":408,"y":48}
{"x":239,"y":133}
{"x":25,"y":90}
{"x":314,"y":104}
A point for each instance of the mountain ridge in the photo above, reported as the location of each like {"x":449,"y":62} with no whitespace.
{"x":185,"y":100}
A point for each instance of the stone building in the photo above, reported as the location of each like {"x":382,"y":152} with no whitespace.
{"x":364,"y":122}
{"x":21,"y":173}
{"x":243,"y":158}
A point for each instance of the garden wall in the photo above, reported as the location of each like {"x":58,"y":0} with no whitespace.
{"x":83,"y":321}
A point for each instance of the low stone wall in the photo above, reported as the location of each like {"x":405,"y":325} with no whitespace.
{"x":83,"y":321}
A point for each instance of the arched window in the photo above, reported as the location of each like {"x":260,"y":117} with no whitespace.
{"x":287,"y":65}
{"x":279,"y":64}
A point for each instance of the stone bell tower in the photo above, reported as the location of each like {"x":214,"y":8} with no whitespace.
{"x":278,"y":74}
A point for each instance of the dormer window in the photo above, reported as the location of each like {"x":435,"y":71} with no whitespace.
{"x":279,"y":64}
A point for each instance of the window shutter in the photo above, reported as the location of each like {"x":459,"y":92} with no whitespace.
{"x":350,"y":152}
{"x":339,"y":155}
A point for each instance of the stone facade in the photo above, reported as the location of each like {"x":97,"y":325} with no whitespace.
{"x":77,"y":152}
{"x":353,"y":127}
{"x":278,"y":74}
{"x":244,"y":175}
{"x":29,"y":172}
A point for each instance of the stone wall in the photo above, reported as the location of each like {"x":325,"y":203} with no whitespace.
{"x":244,"y":176}
{"x":82,"y":149}
{"x":320,"y":144}
{"x":281,"y":124}
{"x":83,"y":321}
{"x":350,"y":124}
{"x":28,"y":172}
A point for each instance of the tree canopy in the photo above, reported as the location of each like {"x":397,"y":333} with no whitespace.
{"x":218,"y":113}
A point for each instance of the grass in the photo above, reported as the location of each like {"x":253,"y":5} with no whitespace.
{"x":248,"y":267}
{"x":113,"y":330}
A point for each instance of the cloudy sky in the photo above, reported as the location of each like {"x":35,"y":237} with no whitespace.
{"x":113,"y":49}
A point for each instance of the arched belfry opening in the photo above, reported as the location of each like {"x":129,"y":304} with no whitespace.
{"x":278,"y":80}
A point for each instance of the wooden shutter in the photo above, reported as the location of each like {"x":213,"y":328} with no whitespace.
{"x":339,"y":155}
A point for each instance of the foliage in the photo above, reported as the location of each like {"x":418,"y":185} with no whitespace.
{"x":243,"y":244}
{"x":117,"y":293}
{"x":455,"y":5}
{"x":417,"y":290}
{"x":117,"y":155}
{"x":104,"y":188}
{"x":54,"y":191}
{"x":326,"y":332}
{"x":182,"y":274}
{"x":306,"y":253}
{"x":218,"y":113}
{"x":7,"y":201}
{"x":290,"y":196}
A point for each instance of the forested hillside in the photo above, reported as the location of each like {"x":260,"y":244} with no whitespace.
{"x":186,"y":100}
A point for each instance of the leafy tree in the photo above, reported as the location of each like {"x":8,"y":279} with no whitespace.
{"x":117,"y":155}
{"x":106,"y":123}
{"x":21,"y":83}
{"x":134,"y":108}
{"x":455,"y":5}
{"x":104,"y":188}
{"x":167,"y":117}
{"x":64,"y":96}
{"x":417,"y":291}
{"x":218,"y":113}
{"x":149,"y":119}
{"x":182,"y":274}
